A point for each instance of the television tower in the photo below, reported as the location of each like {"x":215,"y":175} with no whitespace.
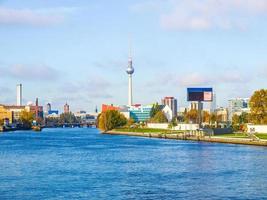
{"x":130,"y":71}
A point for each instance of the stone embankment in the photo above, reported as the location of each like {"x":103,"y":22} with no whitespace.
{"x":245,"y":141}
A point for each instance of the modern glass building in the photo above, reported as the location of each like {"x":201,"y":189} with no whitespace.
{"x":140,"y":113}
{"x":237,"y":106}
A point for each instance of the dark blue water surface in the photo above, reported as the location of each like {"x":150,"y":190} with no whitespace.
{"x":84,"y":164}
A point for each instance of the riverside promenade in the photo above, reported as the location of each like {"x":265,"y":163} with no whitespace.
{"x":180,"y":136}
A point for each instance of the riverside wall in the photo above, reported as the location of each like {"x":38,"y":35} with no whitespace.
{"x":244,"y":141}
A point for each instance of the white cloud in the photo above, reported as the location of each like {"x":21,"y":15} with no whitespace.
{"x":29,"y":72}
{"x":206,"y":14}
{"x":95,"y":87}
{"x":28,"y":17}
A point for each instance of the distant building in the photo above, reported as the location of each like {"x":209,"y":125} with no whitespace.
{"x":50,"y":112}
{"x":36,"y":110}
{"x":106,"y":107}
{"x":140,"y":113}
{"x":66,"y":108}
{"x":19,"y":94}
{"x":48,"y":107}
{"x":6,"y":114}
{"x":16,"y":112}
{"x":196,"y":105}
{"x":172,"y":103}
{"x":237,"y":106}
{"x":223,"y":113}
{"x":213,"y":103}
{"x":168,"y":113}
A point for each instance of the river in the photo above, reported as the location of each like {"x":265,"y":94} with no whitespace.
{"x":81,"y":163}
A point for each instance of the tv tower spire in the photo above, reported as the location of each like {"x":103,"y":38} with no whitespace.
{"x":130,"y":71}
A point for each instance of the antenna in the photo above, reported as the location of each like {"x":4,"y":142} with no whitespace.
{"x":130,"y":46}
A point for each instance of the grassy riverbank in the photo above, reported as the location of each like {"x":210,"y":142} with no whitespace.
{"x":234,"y":135}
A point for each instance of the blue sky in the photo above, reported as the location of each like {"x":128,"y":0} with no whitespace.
{"x":76,"y":51}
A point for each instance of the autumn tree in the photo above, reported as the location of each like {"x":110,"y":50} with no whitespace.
{"x":258,"y":107}
{"x":111,"y":119}
{"x":192,"y":116}
{"x":26,"y":119}
{"x":206,"y":117}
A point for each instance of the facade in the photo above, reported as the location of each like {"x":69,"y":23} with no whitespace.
{"x":106,"y":107}
{"x":172,"y":103}
{"x":16,"y":112}
{"x":196,"y":105}
{"x":213,"y":104}
{"x":36,"y":110}
{"x":223,"y":113}
{"x":19,"y":95}
{"x":5,"y":114}
{"x":237,"y":106}
{"x":140,"y":113}
{"x":168,"y":113}
{"x":66,"y":108}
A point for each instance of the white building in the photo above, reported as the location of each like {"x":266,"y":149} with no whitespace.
{"x":172,"y":103}
{"x":168,"y":113}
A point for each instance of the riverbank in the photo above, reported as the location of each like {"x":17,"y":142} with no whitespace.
{"x":179,"y":136}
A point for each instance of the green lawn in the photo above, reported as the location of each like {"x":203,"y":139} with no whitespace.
{"x":146,"y":130}
{"x":262,"y":136}
{"x":233,"y":135}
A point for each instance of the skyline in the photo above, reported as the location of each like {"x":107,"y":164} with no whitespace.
{"x":74,"y":48}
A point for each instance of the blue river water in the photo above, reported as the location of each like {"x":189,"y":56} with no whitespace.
{"x":84,"y":164}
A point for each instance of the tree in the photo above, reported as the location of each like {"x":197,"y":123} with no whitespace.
{"x":192,"y":116}
{"x":111,"y":119}
{"x":130,"y":122}
{"x":26,"y":118}
{"x":67,"y":118}
{"x":173,"y":123}
{"x":244,"y":118}
{"x":154,"y":110}
{"x":213,"y":118}
{"x":206,"y":117}
{"x":159,"y":118}
{"x":239,"y":121}
{"x":258,"y":107}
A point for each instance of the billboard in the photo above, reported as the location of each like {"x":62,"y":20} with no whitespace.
{"x":199,"y":94}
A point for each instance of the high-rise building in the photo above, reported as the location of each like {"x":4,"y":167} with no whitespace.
{"x":196,"y":105}
{"x":237,"y":106}
{"x":172,"y":103}
{"x":48,"y":107}
{"x":130,"y":71}
{"x":19,"y":94}
{"x":213,"y":103}
{"x":66,"y":108}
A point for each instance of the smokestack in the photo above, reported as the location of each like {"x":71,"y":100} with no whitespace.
{"x":19,"y":94}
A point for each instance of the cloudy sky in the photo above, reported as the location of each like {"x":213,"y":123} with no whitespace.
{"x":76,"y":50}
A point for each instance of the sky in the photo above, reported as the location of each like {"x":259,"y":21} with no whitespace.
{"x":76,"y":51}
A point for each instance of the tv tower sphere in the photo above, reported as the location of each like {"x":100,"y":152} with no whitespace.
{"x":130,"y":69}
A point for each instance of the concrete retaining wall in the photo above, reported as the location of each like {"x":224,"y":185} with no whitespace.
{"x":183,"y":127}
{"x":257,"y":128}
